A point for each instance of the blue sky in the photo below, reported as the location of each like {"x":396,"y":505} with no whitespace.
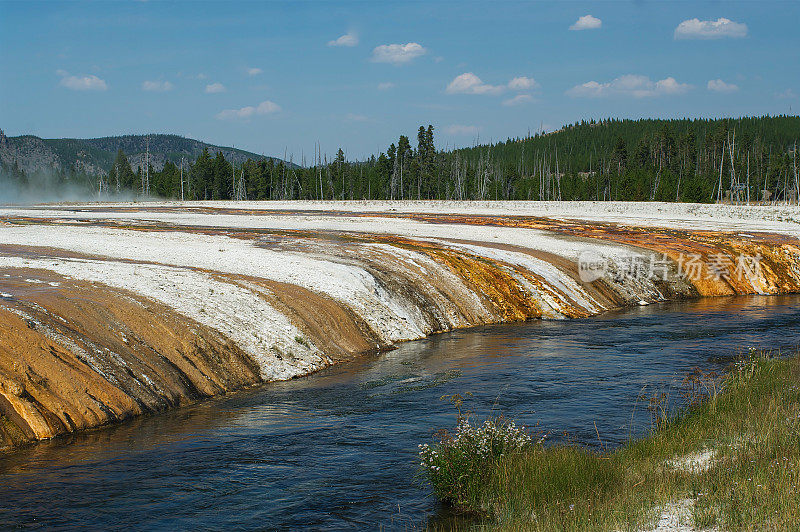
{"x":280,"y":76}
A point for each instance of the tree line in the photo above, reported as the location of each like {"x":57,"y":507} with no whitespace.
{"x":698,"y":160}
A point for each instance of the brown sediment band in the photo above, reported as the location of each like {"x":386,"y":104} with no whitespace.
{"x":81,"y":355}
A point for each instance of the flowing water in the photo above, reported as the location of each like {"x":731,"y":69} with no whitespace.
{"x":337,"y":450}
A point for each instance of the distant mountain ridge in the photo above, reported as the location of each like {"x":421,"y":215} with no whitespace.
{"x":95,"y":156}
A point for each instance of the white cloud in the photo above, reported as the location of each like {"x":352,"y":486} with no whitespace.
{"x":588,"y":89}
{"x":522,"y":83}
{"x":710,"y":29}
{"x":254,"y":71}
{"x":385,"y":86}
{"x":518,"y":100}
{"x":717,"y":85}
{"x":214,"y":88}
{"x":81,"y":83}
{"x":586,"y":22}
{"x":460,"y":130}
{"x":397,"y":53}
{"x":157,"y":86}
{"x":348,"y":39}
{"x":634,"y":85}
{"x":668,"y":86}
{"x":787,"y":94}
{"x":264,"y":108}
{"x":469,"y":83}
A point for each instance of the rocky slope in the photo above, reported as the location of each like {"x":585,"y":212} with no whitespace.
{"x":112,"y":311}
{"x":95,"y":156}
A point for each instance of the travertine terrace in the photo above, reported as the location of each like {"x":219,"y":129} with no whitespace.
{"x":108,"y":311}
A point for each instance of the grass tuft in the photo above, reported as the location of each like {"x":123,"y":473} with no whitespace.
{"x":302,"y":341}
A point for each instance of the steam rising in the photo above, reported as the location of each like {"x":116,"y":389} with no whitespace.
{"x":49,"y":187}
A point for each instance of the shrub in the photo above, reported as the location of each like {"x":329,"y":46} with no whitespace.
{"x":459,"y":464}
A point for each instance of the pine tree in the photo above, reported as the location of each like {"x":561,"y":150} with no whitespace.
{"x":121,"y":176}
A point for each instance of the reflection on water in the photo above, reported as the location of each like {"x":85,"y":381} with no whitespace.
{"x":337,"y":449}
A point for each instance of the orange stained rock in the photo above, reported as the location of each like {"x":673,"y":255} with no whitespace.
{"x":83,"y":355}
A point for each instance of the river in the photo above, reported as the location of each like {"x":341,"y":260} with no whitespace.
{"x":337,"y":450}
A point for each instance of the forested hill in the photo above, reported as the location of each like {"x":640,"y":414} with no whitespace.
{"x":698,"y":160}
{"x":743,"y":159}
{"x":94,"y":157}
{"x":644,"y":159}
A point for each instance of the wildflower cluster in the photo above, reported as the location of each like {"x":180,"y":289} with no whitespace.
{"x":460,"y":461}
{"x":746,"y":367}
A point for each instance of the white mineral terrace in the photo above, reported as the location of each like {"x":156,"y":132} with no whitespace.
{"x":258,"y":273}
{"x":180,"y":268}
{"x":778,"y":218}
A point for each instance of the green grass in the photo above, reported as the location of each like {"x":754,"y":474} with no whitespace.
{"x":752,"y":427}
{"x":302,"y":341}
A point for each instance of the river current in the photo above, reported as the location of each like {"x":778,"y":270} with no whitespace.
{"x":337,"y":450}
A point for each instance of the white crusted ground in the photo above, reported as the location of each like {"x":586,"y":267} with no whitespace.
{"x":177,"y":267}
{"x":780,"y":218}
{"x":694,"y":462}
{"x":237,"y":313}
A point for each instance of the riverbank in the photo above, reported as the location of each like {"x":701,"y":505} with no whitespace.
{"x":110,"y":311}
{"x":731,"y":462}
